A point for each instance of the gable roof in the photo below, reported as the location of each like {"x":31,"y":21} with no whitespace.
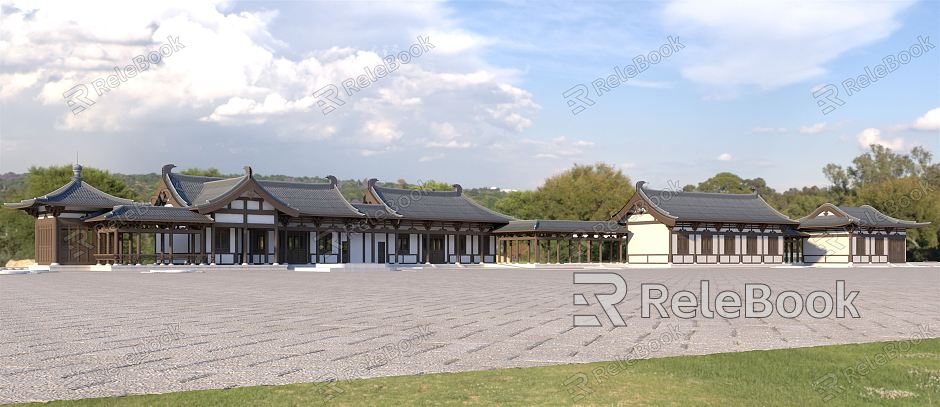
{"x":294,"y":198}
{"x":76,"y":193}
{"x":832,"y":216}
{"x":561,"y":226}
{"x":418,"y":204}
{"x":711,"y":207}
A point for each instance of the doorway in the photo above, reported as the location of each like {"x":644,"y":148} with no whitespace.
{"x":436,"y":249}
{"x":298,"y":251}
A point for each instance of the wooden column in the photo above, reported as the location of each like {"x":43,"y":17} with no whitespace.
{"x":171,"y":244}
{"x":277,"y":239}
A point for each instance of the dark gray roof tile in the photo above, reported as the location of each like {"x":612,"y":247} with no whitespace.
{"x":713,"y":207}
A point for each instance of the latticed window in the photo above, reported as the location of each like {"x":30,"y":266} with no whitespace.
{"x":773,"y":246}
{"x":708,"y":244}
{"x":860,"y":246}
{"x":682,"y":243}
{"x":729,"y":244}
{"x":325,"y":243}
{"x":752,"y":245}
{"x":404,"y":244}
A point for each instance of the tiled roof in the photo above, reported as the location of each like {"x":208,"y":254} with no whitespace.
{"x":436,"y":205}
{"x":189,"y":187}
{"x":562,"y":226}
{"x":713,"y":207}
{"x":863,"y":216}
{"x":149,"y":213}
{"x":377,"y":211}
{"x":312,"y":199}
{"x":75,"y":193}
{"x":309,"y":199}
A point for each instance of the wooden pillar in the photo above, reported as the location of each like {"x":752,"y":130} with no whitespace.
{"x":316,"y":246}
{"x":213,"y":245}
{"x":277,"y":240}
{"x":171,"y":244}
{"x":600,"y":251}
{"x":246,"y":246}
{"x":395,"y":244}
{"x":557,"y":251}
{"x":579,"y":250}
{"x":472,"y":241}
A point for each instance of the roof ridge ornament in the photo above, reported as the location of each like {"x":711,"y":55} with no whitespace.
{"x":333,"y":181}
{"x":77,"y":172}
{"x":371,"y":182}
{"x":458,"y":189}
{"x":248,"y":172}
{"x":167,"y":169}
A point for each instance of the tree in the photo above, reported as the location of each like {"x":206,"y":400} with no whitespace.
{"x":208,"y":172}
{"x":584,"y":192}
{"x":728,"y":183}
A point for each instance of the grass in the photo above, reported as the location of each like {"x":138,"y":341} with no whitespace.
{"x":775,"y":377}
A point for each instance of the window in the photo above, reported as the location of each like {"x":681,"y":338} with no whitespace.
{"x":860,"y":246}
{"x":752,"y":245}
{"x":465,"y":245}
{"x":773,"y":245}
{"x":222,"y":239}
{"x":683,"y":243}
{"x":729,"y":244}
{"x":257,"y":238}
{"x":708,"y":244}
{"x":325,"y":242}
{"x":404,"y":243}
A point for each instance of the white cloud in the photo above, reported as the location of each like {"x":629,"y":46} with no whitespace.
{"x":871,"y":136}
{"x":813,"y":128}
{"x":770,"y":44}
{"x":725,"y":157}
{"x":929,"y":121}
{"x":233,"y":71}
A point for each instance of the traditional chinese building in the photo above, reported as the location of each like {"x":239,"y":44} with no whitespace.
{"x":244,"y":220}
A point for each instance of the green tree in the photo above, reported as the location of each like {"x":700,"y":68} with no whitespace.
{"x":728,"y":183}
{"x":584,"y":192}
{"x":207,"y":172}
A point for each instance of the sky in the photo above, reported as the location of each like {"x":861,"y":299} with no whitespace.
{"x":479,"y":93}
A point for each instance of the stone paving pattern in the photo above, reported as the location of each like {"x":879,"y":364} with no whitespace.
{"x":72,"y":335}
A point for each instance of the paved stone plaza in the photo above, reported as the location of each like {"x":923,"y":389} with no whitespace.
{"x":73,"y":335}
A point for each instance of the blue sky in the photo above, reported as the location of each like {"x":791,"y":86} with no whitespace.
{"x":484,"y":107}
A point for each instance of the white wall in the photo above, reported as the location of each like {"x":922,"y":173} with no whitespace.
{"x":649,"y":243}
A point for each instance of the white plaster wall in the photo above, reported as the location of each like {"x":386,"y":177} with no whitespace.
{"x":643,"y":217}
{"x":823,"y":248}
{"x":261,"y":219}
{"x":649,"y":243}
{"x":229,"y":218}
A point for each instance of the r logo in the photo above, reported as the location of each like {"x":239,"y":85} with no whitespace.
{"x":607,"y":301}
{"x":578,"y":99}
{"x":827,"y":98}
{"x":328,"y":98}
